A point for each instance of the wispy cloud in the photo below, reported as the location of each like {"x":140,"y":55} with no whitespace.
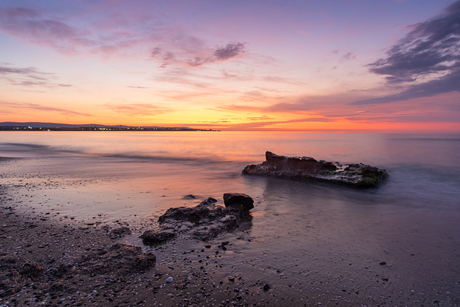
{"x":137,"y":87}
{"x":37,"y":107}
{"x":137,"y":109}
{"x":281,"y":107}
{"x":347,"y":57}
{"x":29,"y":76}
{"x":267,"y":124}
{"x":263,"y":117}
{"x":426,"y":62}
{"x":195,"y":53}
{"x":129,"y":33}
{"x":283,"y":80}
{"x":31,"y":24}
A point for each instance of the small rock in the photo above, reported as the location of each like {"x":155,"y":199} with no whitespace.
{"x":382,"y":263}
{"x":209,"y":200}
{"x":169,"y":279}
{"x":155,"y":237}
{"x":120,"y":232}
{"x":266,"y":287}
{"x":241,"y":200}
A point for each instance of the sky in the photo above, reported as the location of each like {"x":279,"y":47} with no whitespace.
{"x":310,"y":65}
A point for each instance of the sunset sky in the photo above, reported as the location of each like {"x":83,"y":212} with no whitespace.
{"x":390,"y":65}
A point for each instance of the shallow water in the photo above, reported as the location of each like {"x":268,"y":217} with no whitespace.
{"x":307,"y":231}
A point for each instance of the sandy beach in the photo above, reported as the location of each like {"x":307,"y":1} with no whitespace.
{"x":45,"y":262}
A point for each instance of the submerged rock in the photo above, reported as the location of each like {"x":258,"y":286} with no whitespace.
{"x":357,"y":175}
{"x":189,"y":196}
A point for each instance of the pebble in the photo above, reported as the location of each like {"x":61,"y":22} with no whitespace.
{"x":169,"y":279}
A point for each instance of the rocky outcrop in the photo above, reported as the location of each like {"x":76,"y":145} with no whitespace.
{"x":357,"y":175}
{"x":204,"y":221}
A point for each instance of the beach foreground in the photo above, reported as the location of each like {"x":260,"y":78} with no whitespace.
{"x":45,"y":262}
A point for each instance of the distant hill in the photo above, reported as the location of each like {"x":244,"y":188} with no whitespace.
{"x":57,"y":126}
{"x":47,"y":125}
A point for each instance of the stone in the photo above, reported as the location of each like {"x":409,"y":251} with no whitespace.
{"x":124,"y":258}
{"x":189,"y":196}
{"x":204,"y":221}
{"x":356,"y":175}
{"x":209,"y":200}
{"x":120,"y":232}
{"x":238,"y":200}
{"x":156,"y":237}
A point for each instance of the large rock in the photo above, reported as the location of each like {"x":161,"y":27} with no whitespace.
{"x":357,"y":175}
{"x":204,"y":221}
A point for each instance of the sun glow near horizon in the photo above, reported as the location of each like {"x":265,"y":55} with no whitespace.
{"x":234,"y":66}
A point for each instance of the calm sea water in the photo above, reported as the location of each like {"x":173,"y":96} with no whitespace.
{"x":424,"y":169}
{"x":327,"y":236}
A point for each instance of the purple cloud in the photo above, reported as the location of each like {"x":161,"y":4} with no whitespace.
{"x":198,"y":55}
{"x":431,"y":51}
{"x":33,"y":25}
{"x":37,"y":107}
{"x":29,"y":76}
{"x":347,"y":57}
{"x":230,"y":51}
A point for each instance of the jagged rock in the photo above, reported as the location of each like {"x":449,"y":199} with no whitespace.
{"x":357,"y":175}
{"x":206,"y":220}
{"x":209,"y":200}
{"x":238,"y":200}
{"x":156,"y":237}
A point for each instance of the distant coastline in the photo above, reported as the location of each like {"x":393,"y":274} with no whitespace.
{"x":11,"y":126}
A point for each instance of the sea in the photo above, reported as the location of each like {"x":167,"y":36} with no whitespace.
{"x":324,"y":233}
